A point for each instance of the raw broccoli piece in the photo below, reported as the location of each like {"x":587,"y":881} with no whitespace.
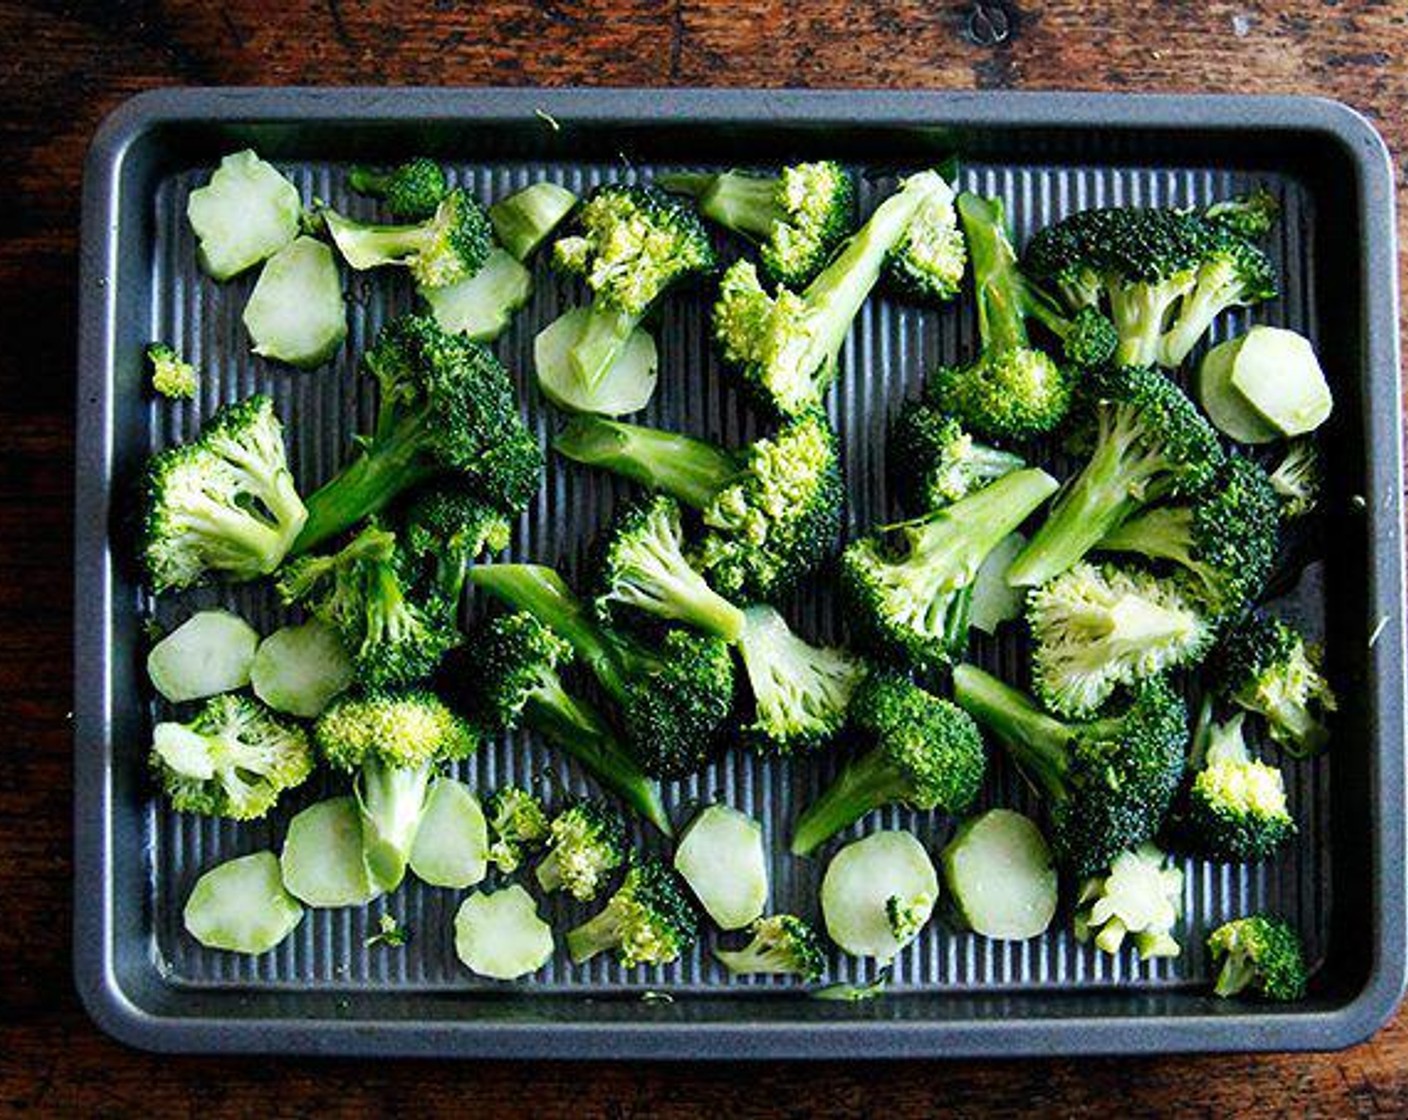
{"x":519,"y":826}
{"x":1109,"y":782}
{"x":586,"y":842}
{"x":797,"y":218}
{"x":516,"y":682}
{"x":1297,"y":479}
{"x":411,"y":190}
{"x":1261,"y":955}
{"x":919,"y":751}
{"x":911,"y":601}
{"x":526,"y":218}
{"x":1141,"y":895}
{"x":907,"y":916}
{"x":928,"y":263}
{"x":447,"y":528}
{"x":1148,"y":443}
{"x":447,"y":408}
{"x":1233,"y":272}
{"x":781,"y":945}
{"x":785,"y":346}
{"x":1095,"y":629}
{"x":1252,"y":215}
{"x":233,"y":760}
{"x":932,"y":461}
{"x":771,"y":510}
{"x":393,"y":742}
{"x":171,"y":376}
{"x":1266,"y":667}
{"x":224,"y":504}
{"x":649,"y":920}
{"x":449,"y":246}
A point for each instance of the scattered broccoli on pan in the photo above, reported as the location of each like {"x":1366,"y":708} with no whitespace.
{"x":910,"y":600}
{"x":1142,"y":895}
{"x":447,"y":528}
{"x":1147,"y":442}
{"x":224,"y":504}
{"x":586,"y":842}
{"x":649,"y":920}
{"x":233,"y":760}
{"x":1108,"y":783}
{"x":411,"y":190}
{"x":797,"y":218}
{"x":771,"y":510}
{"x":1297,"y":479}
{"x":393,"y":742}
{"x":781,"y":945}
{"x":447,"y":408}
{"x":1266,"y":667}
{"x":927,"y":265}
{"x":1260,"y":955}
{"x":449,"y":246}
{"x":932,"y":461}
{"x":518,"y":824}
{"x":920,"y":751}
{"x":171,"y":376}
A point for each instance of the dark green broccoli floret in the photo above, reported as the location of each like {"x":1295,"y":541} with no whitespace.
{"x":518,"y":824}
{"x":910,"y":600}
{"x":233,"y":760}
{"x":447,"y":408}
{"x":1266,"y":667}
{"x":1250,"y":215}
{"x":447,"y":528}
{"x":1297,"y":479}
{"x":171,"y":376}
{"x":649,"y":920}
{"x":932,"y":461}
{"x":1260,"y":955}
{"x":224,"y":504}
{"x":797,"y":218}
{"x":449,"y":246}
{"x":771,"y":510}
{"x":411,"y":190}
{"x":394,"y":742}
{"x":1108,"y":783}
{"x":586,"y":842}
{"x":1233,"y":272}
{"x":919,"y":751}
{"x":1148,"y":442}
{"x":516,"y":681}
{"x":928,"y":263}
{"x":781,"y":945}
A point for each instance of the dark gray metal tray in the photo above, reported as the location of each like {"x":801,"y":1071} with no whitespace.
{"x":321,"y":991}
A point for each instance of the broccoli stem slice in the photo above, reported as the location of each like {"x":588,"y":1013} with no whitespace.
{"x":603,"y":338}
{"x":1036,"y":741}
{"x":367,"y":245}
{"x":391,"y":800}
{"x":1237,"y":971}
{"x":867,"y":783}
{"x":691,"y":471}
{"x":746,"y":204}
{"x":998,"y":284}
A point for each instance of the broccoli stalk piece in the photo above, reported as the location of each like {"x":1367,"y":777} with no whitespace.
{"x":797,"y":218}
{"x":171,"y":376}
{"x":786,"y":345}
{"x":1149,"y":442}
{"x":1108,"y":783}
{"x":1142,"y":895}
{"x":912,"y":601}
{"x":233,"y":760}
{"x":1261,"y":955}
{"x":447,"y":408}
{"x":649,"y":920}
{"x":449,"y":246}
{"x":517,"y":682}
{"x":1297,"y":479}
{"x":518,"y":825}
{"x":447,"y":528}
{"x":1266,"y":667}
{"x":771,"y":510}
{"x":411,"y":190}
{"x":920,"y":751}
{"x":586,"y":842}
{"x":393,"y":742}
{"x":781,"y":945}
{"x":224,"y":504}
{"x":932,"y":461}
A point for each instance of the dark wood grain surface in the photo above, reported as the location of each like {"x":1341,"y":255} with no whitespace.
{"x":65,"y":64}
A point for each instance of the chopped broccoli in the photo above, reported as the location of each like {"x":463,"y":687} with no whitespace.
{"x":797,"y":218}
{"x":411,"y":190}
{"x":1298,"y":478}
{"x":781,"y":945}
{"x":390,"y":933}
{"x":449,"y":246}
{"x":527,"y":218}
{"x":447,"y":528}
{"x":233,"y":760}
{"x":1266,"y":667}
{"x":171,"y":376}
{"x":1141,"y":895}
{"x":1261,"y":955}
{"x":1108,"y":783}
{"x":1252,"y":215}
{"x":928,"y":263}
{"x":907,"y":916}
{"x":649,"y":920}
{"x":224,"y":504}
{"x":920,"y":751}
{"x":1233,"y":272}
{"x":519,"y":826}
{"x":932,"y":461}
{"x":586,"y":842}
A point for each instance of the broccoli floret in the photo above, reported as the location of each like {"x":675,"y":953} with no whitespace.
{"x":1095,"y":629}
{"x":910,"y":601}
{"x":1141,"y":895}
{"x":518,"y":824}
{"x":171,"y":376}
{"x":1108,"y":783}
{"x":771,"y":510}
{"x":907,"y":916}
{"x":411,"y":190}
{"x":932,"y":461}
{"x":781,"y":945}
{"x":393,"y":742}
{"x":649,"y":920}
{"x":447,"y":528}
{"x":919,"y":751}
{"x":1252,"y":215}
{"x":785,"y":346}
{"x":1266,"y":667}
{"x":586,"y":842}
{"x":1297,"y":479}
{"x":632,"y":244}
{"x":516,"y":681}
{"x":233,"y":760}
{"x":797,"y":218}
{"x":1233,"y":272}
{"x":1225,"y":537}
{"x":928,"y":263}
{"x":1261,"y":955}
{"x":224,"y":504}
{"x":449,"y":246}
{"x":1148,"y":443}
{"x":447,"y":408}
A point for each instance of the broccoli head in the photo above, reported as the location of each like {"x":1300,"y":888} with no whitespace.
{"x":781,"y":945}
{"x":518,"y":824}
{"x":1266,"y":667}
{"x":586,"y":842}
{"x":649,"y":920}
{"x":928,"y":263}
{"x":449,"y":246}
{"x":447,"y":528}
{"x":1141,"y":895}
{"x":411,"y":190}
{"x":932,"y":461}
{"x":171,"y":376}
{"x":1261,"y":955}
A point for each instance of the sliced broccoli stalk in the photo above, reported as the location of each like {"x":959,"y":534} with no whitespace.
{"x":449,"y":246}
{"x":171,"y":376}
{"x":241,"y":906}
{"x":527,"y":218}
{"x":481,"y":306}
{"x":1261,"y":955}
{"x":245,"y":214}
{"x":780,"y":945}
{"x":411,"y":190}
{"x":210,"y":653}
{"x":649,"y":920}
{"x":296,"y":313}
{"x":626,"y":386}
{"x":499,"y":934}
{"x":1142,"y":896}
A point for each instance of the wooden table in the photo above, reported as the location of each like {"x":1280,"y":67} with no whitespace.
{"x":66,"y":64}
